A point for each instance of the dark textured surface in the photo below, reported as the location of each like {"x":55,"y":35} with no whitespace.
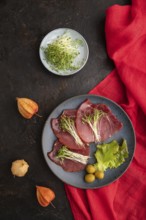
{"x":23,"y":25}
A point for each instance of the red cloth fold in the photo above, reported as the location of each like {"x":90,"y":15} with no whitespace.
{"x":125,"y":199}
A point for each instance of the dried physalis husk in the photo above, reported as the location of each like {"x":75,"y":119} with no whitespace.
{"x":44,"y":195}
{"x":19,"y":168}
{"x":27,"y":107}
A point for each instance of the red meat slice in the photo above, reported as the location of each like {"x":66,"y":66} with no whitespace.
{"x":63,"y":136}
{"x":107,"y":125}
{"x":67,"y":164}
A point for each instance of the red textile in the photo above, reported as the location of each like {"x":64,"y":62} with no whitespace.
{"x":125,"y":199}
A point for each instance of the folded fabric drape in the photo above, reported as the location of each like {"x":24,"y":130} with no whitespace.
{"x":124,"y":199}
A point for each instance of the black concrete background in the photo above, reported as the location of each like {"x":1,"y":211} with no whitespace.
{"x":23,"y":24}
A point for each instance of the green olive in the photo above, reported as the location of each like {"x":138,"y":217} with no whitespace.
{"x":99,"y":174}
{"x":89,"y":178}
{"x":90,"y":168}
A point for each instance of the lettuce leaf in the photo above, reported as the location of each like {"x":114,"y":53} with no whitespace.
{"x":110,"y":155}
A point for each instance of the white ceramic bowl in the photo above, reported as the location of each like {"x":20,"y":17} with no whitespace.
{"x":81,"y":58}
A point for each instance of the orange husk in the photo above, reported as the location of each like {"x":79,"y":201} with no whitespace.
{"x":27,"y":107}
{"x":44,"y":195}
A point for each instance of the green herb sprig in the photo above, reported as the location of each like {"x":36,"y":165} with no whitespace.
{"x":62,"y":52}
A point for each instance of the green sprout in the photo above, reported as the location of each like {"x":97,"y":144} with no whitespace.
{"x":65,"y":153}
{"x":67,"y":124}
{"x":92,"y":120}
{"x":62,"y":52}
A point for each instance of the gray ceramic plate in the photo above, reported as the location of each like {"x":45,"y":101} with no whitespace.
{"x":77,"y":179}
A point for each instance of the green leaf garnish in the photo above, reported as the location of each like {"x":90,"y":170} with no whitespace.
{"x":110,"y":155}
